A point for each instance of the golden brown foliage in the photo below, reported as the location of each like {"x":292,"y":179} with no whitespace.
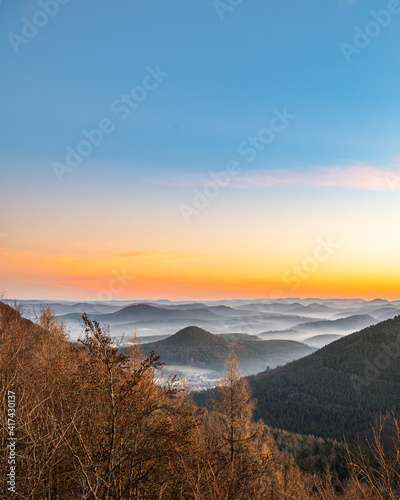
{"x":93,"y":422}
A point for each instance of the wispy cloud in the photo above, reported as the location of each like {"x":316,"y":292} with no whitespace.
{"x":155,"y":256}
{"x":356,"y":176}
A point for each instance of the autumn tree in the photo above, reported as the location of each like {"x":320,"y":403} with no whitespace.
{"x":376,"y":465}
{"x":126,"y":429}
{"x":235,"y":407}
{"x":32,"y":360}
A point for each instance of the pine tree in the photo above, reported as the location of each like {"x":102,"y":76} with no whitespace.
{"x":235,"y":408}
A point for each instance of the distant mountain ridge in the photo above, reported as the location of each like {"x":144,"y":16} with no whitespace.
{"x":342,"y":324}
{"x":143,"y":312}
{"x":253,"y":317}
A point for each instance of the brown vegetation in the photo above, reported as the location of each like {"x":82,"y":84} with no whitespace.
{"x":92,"y":423}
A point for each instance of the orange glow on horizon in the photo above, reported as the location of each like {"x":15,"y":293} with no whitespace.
{"x":181,"y":276}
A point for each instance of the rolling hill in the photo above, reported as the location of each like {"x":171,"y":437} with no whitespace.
{"x":262,"y":317}
{"x":337,"y":390}
{"x":283,"y":335}
{"x":343,"y":325}
{"x":380,"y":312}
{"x":146,"y":312}
{"x":310,"y":309}
{"x":193,"y":346}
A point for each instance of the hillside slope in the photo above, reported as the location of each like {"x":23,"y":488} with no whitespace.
{"x":339,"y":389}
{"x":194,"y":346}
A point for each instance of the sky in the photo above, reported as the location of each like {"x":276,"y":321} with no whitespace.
{"x":199,"y":149}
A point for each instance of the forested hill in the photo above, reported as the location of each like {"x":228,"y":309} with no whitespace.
{"x":196,"y":347}
{"x":339,"y":390}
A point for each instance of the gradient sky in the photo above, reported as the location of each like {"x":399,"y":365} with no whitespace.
{"x":312,"y":213}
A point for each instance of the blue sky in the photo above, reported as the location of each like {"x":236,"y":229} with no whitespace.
{"x":225,"y":80}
